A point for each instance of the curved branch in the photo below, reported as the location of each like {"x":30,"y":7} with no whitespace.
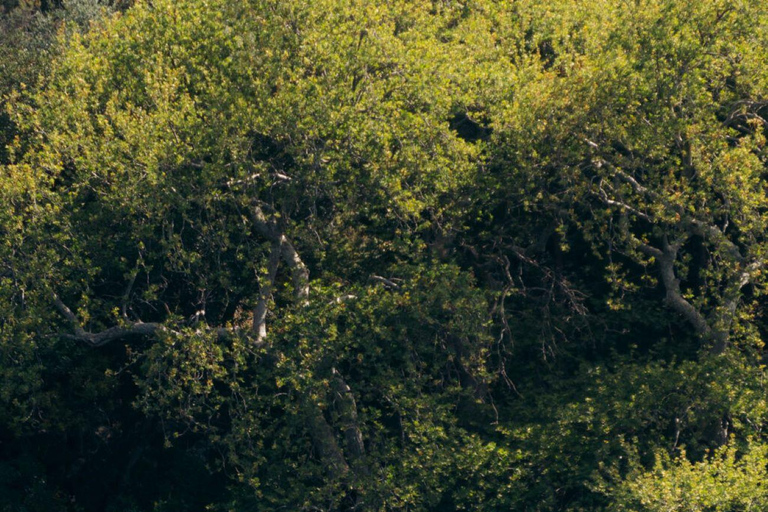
{"x":716,"y":326}
{"x":674,"y":297}
{"x":99,"y":339}
{"x":665,"y":259}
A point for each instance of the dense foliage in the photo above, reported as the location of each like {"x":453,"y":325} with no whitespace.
{"x":410,"y":255}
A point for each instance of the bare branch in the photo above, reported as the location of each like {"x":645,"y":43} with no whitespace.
{"x":674,"y":297}
{"x":246,"y":180}
{"x":624,"y":206}
{"x":636,"y":186}
{"x":283,"y":177}
{"x":282,"y":249}
{"x":342,"y":299}
{"x":69,"y":315}
{"x":99,"y":339}
{"x":665,"y":260}
{"x":386,"y":282}
{"x":265,"y":293}
{"x":716,"y":325}
{"x":715,"y":235}
{"x":299,"y":271}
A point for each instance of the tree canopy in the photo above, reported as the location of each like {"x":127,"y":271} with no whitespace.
{"x":392,"y":256}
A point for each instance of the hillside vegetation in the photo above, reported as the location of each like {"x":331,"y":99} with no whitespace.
{"x":423,"y":255}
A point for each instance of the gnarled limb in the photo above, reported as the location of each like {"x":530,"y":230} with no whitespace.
{"x":121,"y":332}
{"x":99,"y":339}
{"x":714,"y":327}
{"x":665,"y":259}
{"x":674,"y":296}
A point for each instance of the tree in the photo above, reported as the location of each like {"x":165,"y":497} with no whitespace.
{"x":182,"y":163}
{"x":416,"y":256}
{"x":656,"y":111}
